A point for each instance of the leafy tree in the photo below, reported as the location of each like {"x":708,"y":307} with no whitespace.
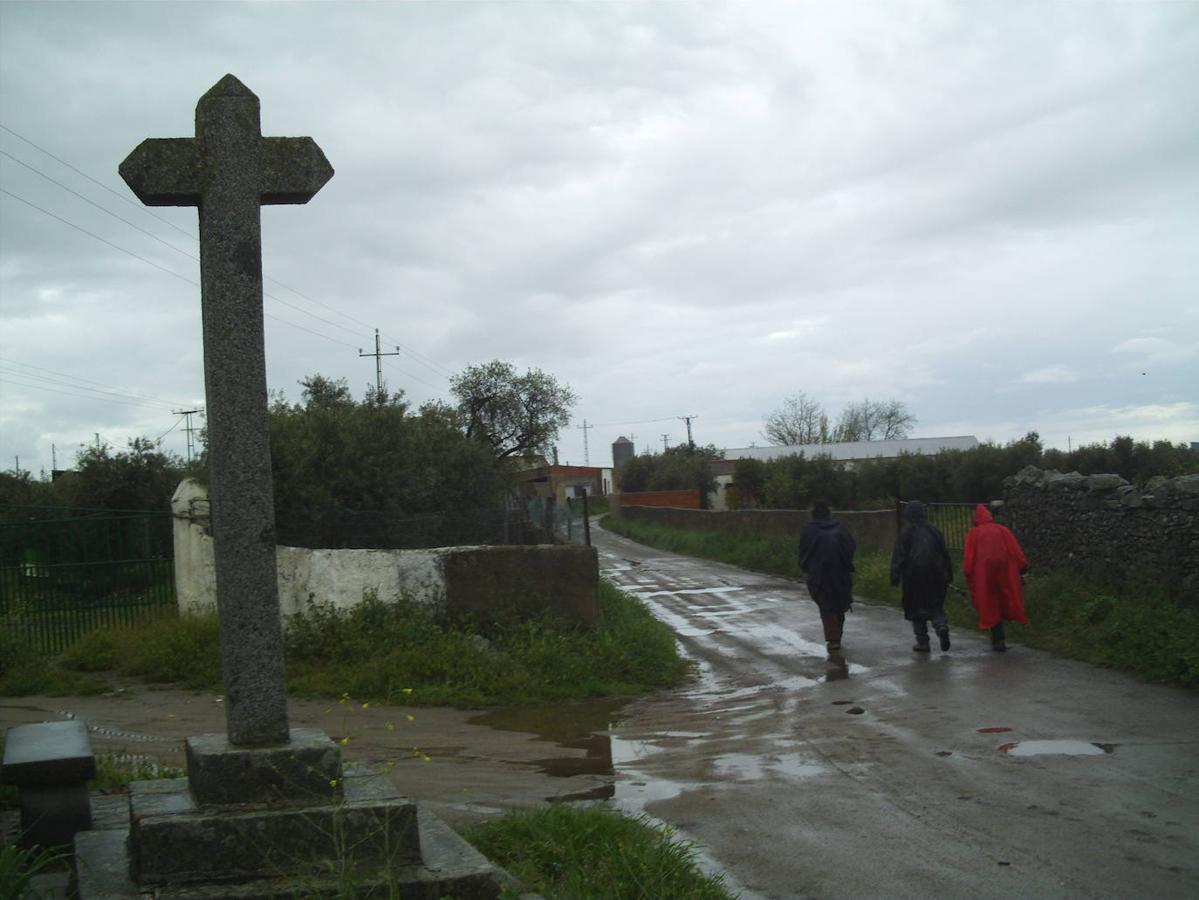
{"x":800,"y":420}
{"x":141,"y":477}
{"x":514,"y":414}
{"x":373,"y":474}
{"x":874,"y":420}
{"x":678,"y":468}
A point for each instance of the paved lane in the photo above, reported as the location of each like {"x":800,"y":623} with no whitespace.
{"x":885,"y":774}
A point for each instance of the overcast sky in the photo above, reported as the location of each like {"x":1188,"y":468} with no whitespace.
{"x":989,"y":211}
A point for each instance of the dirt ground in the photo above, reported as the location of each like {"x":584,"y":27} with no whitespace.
{"x":457,"y":763}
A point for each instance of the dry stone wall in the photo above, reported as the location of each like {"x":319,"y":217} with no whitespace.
{"x":1102,"y":522}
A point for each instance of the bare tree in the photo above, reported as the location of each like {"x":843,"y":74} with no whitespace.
{"x":801,"y":420}
{"x":874,"y":420}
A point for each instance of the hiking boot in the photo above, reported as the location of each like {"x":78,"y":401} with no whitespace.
{"x":999,"y":646}
{"x":943,"y":634}
{"x":921,"y":645}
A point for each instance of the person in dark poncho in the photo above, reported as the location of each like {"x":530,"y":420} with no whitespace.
{"x":920,"y":561}
{"x":826,"y":551}
{"x":993,"y":565}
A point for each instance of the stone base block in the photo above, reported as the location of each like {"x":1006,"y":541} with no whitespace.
{"x":174,"y":840}
{"x":53,"y":813}
{"x":450,"y":868}
{"x":305,"y":769}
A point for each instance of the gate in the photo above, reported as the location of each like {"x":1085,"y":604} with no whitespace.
{"x":64,"y":572}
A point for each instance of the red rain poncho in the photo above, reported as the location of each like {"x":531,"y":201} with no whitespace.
{"x":992,"y":567}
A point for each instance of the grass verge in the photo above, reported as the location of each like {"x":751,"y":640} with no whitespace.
{"x":569,"y":852}
{"x":400,"y":652}
{"x":1135,"y":626}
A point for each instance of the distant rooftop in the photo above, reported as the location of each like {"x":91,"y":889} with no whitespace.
{"x":857,"y":449}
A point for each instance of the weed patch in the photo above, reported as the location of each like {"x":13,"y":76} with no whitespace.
{"x":568,"y":852}
{"x":397,"y":652}
{"x":400,"y":652}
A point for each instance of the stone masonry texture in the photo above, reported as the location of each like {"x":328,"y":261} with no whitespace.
{"x":1101,"y":522}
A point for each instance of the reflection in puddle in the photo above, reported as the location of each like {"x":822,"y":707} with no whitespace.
{"x":747,"y":767}
{"x":1059,"y":748}
{"x":578,"y":726}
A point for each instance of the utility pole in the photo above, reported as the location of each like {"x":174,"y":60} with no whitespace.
{"x":187,"y":427}
{"x":665,"y":438}
{"x":53,"y":458}
{"x":690,"y":442}
{"x":378,"y":355}
{"x":586,"y":449}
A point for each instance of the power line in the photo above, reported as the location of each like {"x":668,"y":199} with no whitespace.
{"x":100,"y":239}
{"x":170,"y":271}
{"x":97,"y":182}
{"x":417,"y":357}
{"x":39,"y":387}
{"x":85,"y":381}
{"x":102,"y":209}
{"x":168,"y":244}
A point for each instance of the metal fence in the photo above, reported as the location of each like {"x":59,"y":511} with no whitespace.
{"x":954,"y":520}
{"x":64,"y":572}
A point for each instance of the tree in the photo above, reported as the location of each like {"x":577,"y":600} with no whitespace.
{"x":514,"y":414}
{"x":874,"y":420}
{"x":141,"y":477}
{"x":801,"y":420}
{"x":678,"y":468}
{"x":373,"y":474}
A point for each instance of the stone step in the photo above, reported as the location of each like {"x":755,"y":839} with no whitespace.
{"x":174,"y":840}
{"x":450,"y":868}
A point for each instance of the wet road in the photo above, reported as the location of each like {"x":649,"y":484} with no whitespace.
{"x":959,"y":774}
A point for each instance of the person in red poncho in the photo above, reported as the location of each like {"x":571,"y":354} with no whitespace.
{"x":993,"y":565}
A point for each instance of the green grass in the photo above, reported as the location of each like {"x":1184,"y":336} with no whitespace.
{"x":1134,"y":626}
{"x":399,"y":652}
{"x":24,"y":671}
{"x":382,"y":651}
{"x":569,"y":852}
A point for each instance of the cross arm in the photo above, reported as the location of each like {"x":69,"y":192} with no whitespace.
{"x":293,"y":170}
{"x":165,"y":172}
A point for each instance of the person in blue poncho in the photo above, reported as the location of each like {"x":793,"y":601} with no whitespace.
{"x":826,"y":551}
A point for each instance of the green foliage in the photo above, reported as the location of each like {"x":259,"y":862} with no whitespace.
{"x":25,"y":671}
{"x":115,"y":771}
{"x":18,"y":868}
{"x":167,"y":648}
{"x":678,"y":468}
{"x":1133,"y":625}
{"x":966,"y":476}
{"x":140,"y":477}
{"x":512,"y":414}
{"x":568,"y":852}
{"x":399,"y":652}
{"x":359,"y":474}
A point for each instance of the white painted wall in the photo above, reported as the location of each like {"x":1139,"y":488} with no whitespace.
{"x":340,"y":577}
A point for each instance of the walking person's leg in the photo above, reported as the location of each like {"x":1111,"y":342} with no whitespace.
{"x":941,"y":625}
{"x":920,"y":629}
{"x":998,"y":644}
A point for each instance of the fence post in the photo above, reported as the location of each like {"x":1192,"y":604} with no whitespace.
{"x":586,"y":522}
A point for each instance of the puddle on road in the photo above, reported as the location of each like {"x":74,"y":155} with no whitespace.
{"x":1057,"y":748}
{"x":579,"y":726}
{"x":747,"y":767}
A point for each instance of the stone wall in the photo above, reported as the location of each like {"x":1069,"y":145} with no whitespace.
{"x":480,"y":581}
{"x":1086,"y":522}
{"x":872,"y":529}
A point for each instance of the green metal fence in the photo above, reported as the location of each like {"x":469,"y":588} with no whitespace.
{"x":64,"y":572}
{"x":954,"y":520}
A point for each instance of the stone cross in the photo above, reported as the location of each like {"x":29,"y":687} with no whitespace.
{"x":228,"y":170}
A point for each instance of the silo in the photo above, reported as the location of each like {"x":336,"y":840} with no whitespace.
{"x":622,"y":452}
